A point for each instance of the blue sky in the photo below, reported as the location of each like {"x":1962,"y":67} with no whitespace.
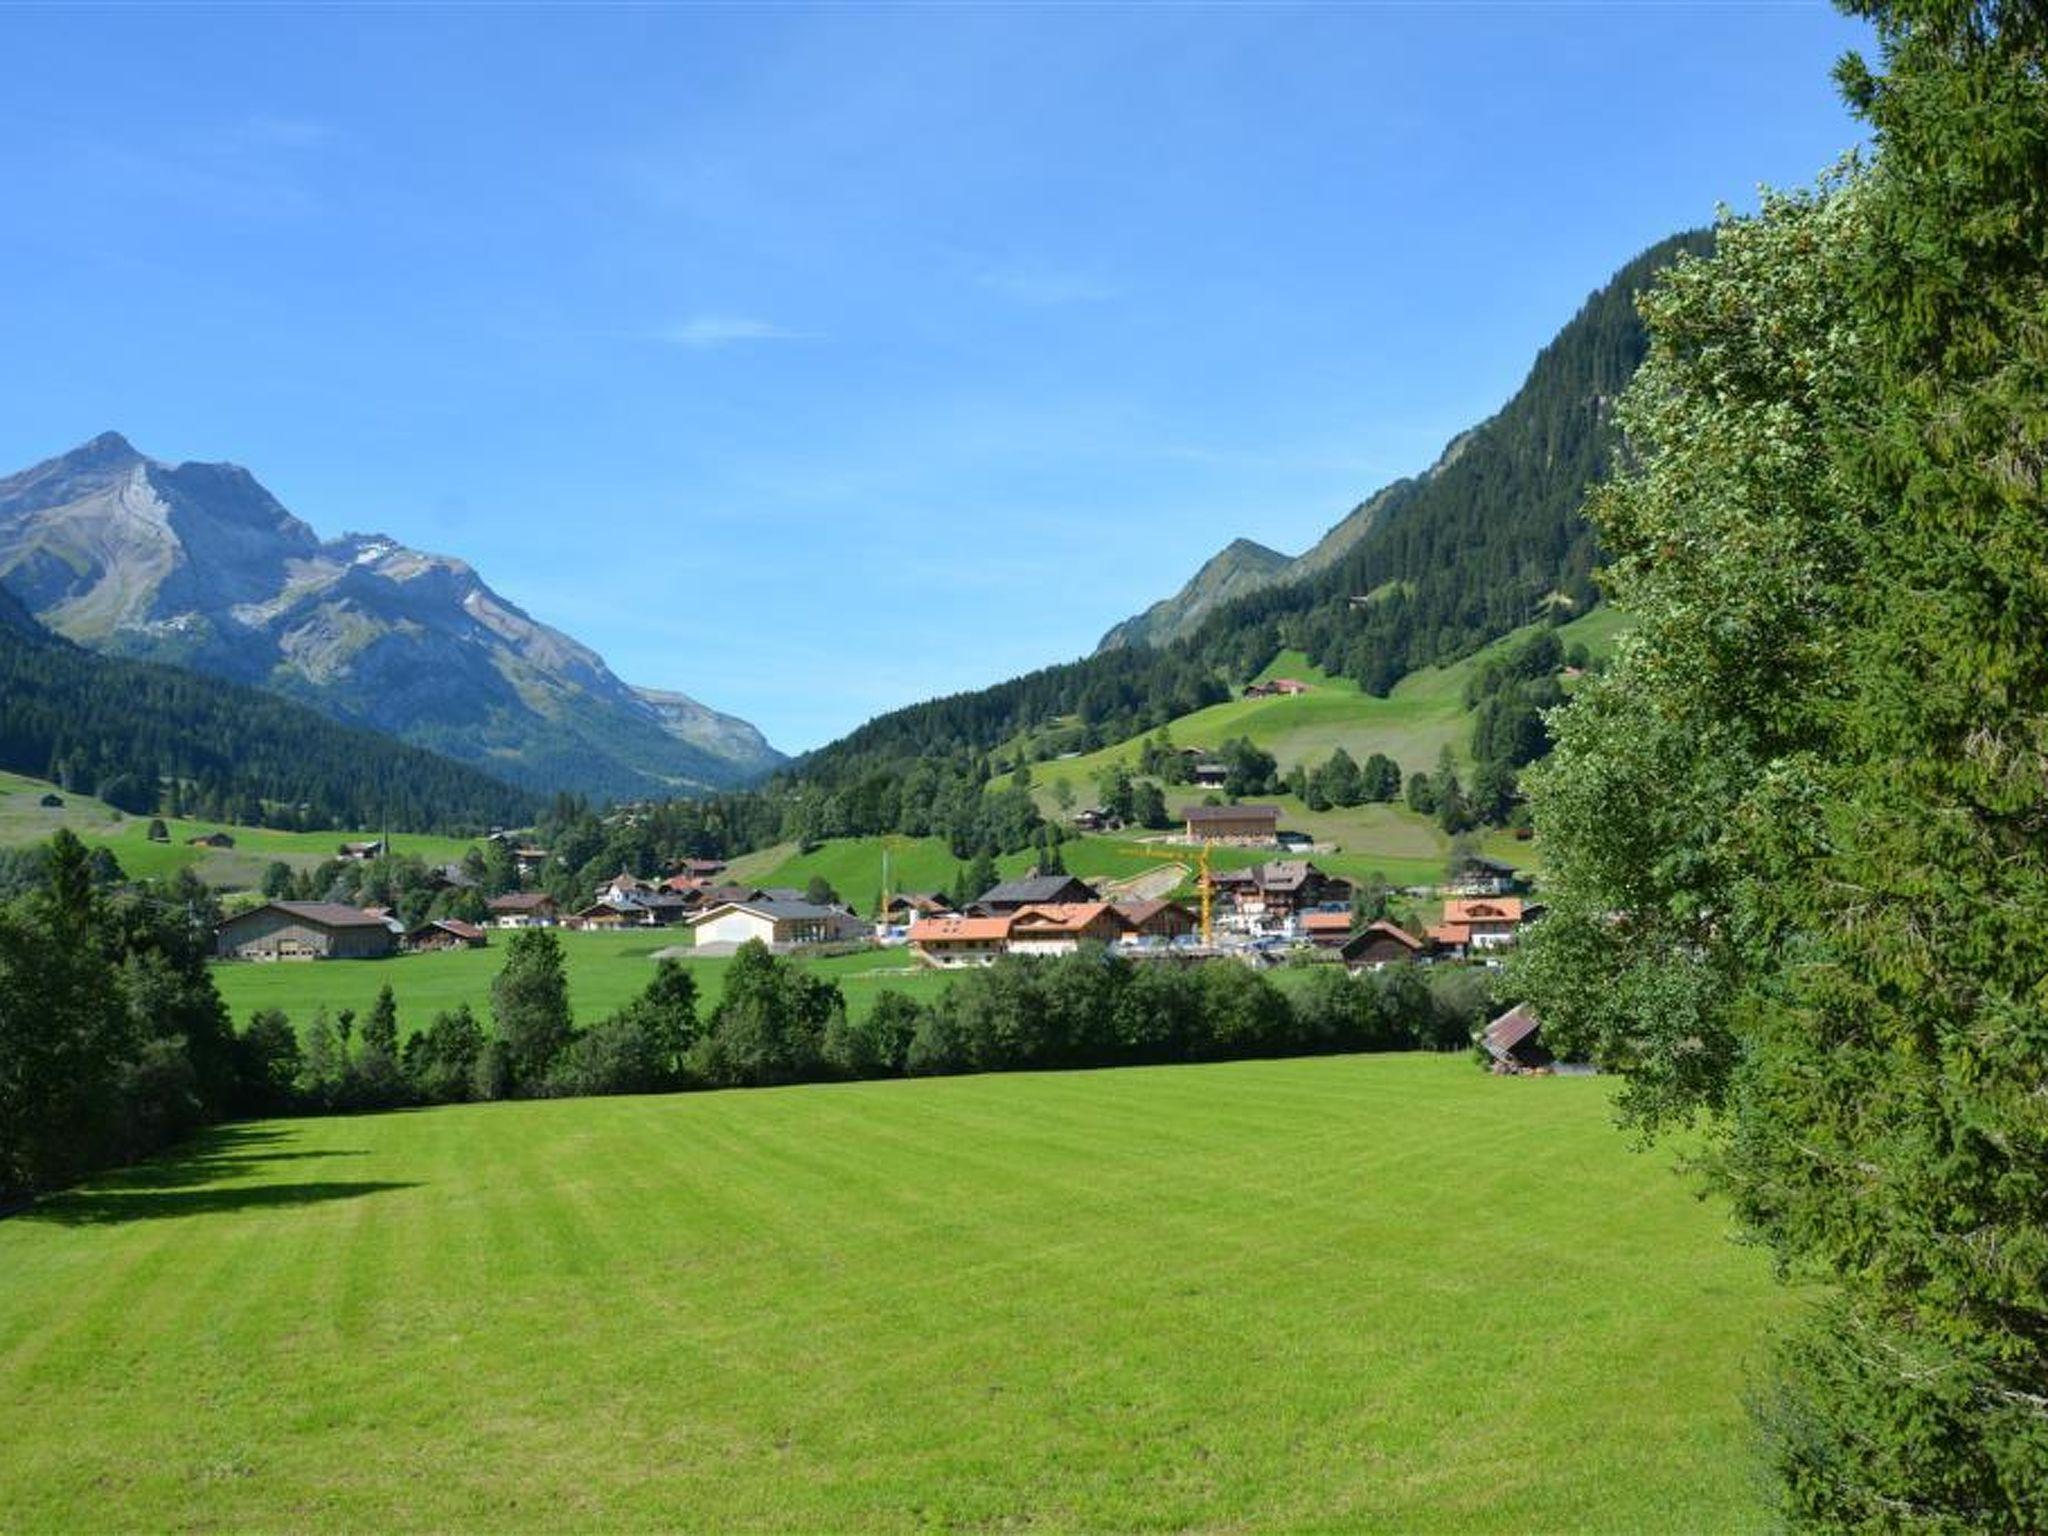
{"x":814,"y":361}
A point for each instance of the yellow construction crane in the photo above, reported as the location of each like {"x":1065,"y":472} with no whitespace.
{"x":1202,"y":877}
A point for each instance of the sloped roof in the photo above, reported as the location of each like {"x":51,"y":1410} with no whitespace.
{"x":1513,"y":1027}
{"x":959,"y":930}
{"x":521,"y":901}
{"x":1230,"y":813}
{"x":324,"y":914}
{"x":1032,"y":890}
{"x":1138,"y":913}
{"x":1327,"y":922}
{"x":774,"y":911}
{"x":1483,"y":909}
{"x":1383,"y":929}
{"x":454,"y":925}
{"x":1063,"y":916}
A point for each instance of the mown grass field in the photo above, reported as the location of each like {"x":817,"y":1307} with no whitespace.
{"x":1373,"y":1292}
{"x":99,"y":825}
{"x":606,"y":970}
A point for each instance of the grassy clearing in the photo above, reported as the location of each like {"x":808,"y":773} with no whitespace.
{"x":99,"y":825}
{"x":1424,"y":714}
{"x":606,"y":970}
{"x":1383,"y":1293}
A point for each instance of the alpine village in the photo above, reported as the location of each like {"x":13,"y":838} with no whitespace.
{"x":1527,"y":1015}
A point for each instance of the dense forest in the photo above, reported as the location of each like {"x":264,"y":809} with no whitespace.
{"x":148,"y":738}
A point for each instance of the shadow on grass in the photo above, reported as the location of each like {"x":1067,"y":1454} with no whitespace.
{"x":191,"y":1181}
{"x":94,"y":1207}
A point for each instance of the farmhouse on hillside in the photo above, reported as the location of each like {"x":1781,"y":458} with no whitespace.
{"x":1473,"y":875}
{"x":210,"y":840}
{"x":1232,"y":823}
{"x":304,"y":930}
{"x":780,"y":924}
{"x":362,"y":853}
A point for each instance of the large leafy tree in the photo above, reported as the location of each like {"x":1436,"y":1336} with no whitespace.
{"x":1800,"y":833}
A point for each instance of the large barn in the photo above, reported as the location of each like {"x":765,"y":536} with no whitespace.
{"x":304,"y":930}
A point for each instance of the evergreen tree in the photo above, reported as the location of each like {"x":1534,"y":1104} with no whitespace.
{"x":1809,"y":784}
{"x":530,"y":1005}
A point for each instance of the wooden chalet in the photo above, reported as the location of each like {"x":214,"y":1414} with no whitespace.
{"x":1471,"y":924}
{"x":523,"y":909}
{"x":954,"y":940}
{"x":1382,"y":943}
{"x":210,"y":840}
{"x":446,"y":933}
{"x":1156,"y":922}
{"x":1326,"y":930}
{"x":1249,"y":824}
{"x":1060,"y":928}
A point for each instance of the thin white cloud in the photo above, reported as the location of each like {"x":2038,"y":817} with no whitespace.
{"x":1029,"y":282}
{"x":703,"y":332}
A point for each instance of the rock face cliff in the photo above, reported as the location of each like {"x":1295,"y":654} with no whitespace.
{"x":198,"y":565}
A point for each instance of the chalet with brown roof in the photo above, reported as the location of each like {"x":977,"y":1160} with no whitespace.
{"x":909,"y":906}
{"x":1382,"y":943}
{"x":1251,"y":824}
{"x":953,"y":940}
{"x":1158,"y":922}
{"x":446,"y":933}
{"x":1277,"y":687}
{"x":523,"y":909}
{"x":304,"y":930}
{"x":1060,"y":928}
{"x":1326,"y":930}
{"x":1480,"y":922}
{"x":210,"y":840}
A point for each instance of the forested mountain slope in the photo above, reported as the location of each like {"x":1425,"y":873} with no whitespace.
{"x":146,"y":737}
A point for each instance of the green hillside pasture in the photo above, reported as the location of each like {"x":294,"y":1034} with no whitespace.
{"x":606,"y":971}
{"x":1368,"y":1293}
{"x":1424,"y":714}
{"x":99,"y":825}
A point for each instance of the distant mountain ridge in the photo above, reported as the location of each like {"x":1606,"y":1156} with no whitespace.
{"x":1239,"y":567}
{"x":199,"y":566}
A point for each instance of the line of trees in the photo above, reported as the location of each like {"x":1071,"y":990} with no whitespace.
{"x":777,"y":1022}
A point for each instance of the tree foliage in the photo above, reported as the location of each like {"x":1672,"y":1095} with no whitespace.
{"x":1799,"y":835}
